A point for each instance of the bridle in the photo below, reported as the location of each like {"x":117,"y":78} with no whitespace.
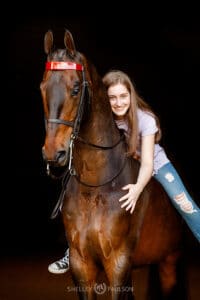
{"x":85,"y":96}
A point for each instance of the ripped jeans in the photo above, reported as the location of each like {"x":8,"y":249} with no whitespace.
{"x":182,"y":201}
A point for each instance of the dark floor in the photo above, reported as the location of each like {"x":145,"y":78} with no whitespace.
{"x":25,"y":277}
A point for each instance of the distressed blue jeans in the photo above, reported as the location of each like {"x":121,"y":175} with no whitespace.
{"x":182,"y":201}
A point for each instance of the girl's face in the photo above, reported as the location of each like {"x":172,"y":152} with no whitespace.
{"x":119,"y":98}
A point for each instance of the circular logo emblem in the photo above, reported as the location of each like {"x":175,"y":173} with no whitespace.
{"x":100,"y":288}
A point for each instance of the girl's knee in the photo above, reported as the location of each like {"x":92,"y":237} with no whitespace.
{"x":184,"y":203}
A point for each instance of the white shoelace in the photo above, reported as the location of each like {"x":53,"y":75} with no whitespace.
{"x":65,"y":260}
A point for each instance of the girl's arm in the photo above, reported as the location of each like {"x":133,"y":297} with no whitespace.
{"x":145,"y":173}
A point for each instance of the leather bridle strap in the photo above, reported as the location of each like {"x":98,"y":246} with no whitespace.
{"x":59,"y":203}
{"x":59,"y":121}
{"x":79,"y":114}
{"x":122,"y":137}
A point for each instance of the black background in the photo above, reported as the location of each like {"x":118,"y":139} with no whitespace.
{"x":159,"y":50}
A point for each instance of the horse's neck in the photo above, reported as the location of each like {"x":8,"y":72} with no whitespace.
{"x":100,"y":127}
{"x":92,"y":163}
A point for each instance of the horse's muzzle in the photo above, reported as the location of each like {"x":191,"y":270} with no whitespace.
{"x":60,"y":158}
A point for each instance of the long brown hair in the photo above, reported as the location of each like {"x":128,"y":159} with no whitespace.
{"x":114,"y":77}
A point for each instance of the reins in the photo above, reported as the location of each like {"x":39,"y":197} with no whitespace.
{"x":71,"y":172}
{"x":106,"y":182}
{"x":101,"y":147}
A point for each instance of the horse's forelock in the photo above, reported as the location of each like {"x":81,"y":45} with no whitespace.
{"x":62,"y":55}
{"x":58,"y":55}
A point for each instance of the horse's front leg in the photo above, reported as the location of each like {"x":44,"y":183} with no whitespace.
{"x":84,"y":274}
{"x":118,"y":271}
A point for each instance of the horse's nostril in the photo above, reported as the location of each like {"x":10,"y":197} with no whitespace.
{"x":60,"y":155}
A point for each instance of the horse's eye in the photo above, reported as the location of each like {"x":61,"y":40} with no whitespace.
{"x":75,"y":90}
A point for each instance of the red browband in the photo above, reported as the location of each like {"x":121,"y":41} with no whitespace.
{"x":63,"y":65}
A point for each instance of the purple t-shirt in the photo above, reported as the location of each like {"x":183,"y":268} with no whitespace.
{"x":147,"y":126}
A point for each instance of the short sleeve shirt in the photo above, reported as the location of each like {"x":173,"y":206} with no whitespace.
{"x":147,"y":126}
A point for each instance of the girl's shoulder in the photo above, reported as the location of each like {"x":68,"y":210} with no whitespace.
{"x":144,"y":115}
{"x":146,"y":122}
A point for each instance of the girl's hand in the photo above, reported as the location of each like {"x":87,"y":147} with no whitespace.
{"x":131,"y":197}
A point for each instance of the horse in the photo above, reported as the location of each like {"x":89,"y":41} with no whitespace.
{"x":82,"y":140}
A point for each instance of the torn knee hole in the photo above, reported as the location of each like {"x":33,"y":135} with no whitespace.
{"x":184,"y":203}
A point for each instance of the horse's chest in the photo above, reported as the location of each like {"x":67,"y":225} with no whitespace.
{"x":93,"y":214}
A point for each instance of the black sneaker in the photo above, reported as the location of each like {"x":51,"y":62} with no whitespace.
{"x":60,"y":266}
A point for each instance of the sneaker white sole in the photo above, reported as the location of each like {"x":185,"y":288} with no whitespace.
{"x":56,"y":271}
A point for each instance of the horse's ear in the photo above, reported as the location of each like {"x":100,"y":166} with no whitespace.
{"x":48,"y":41}
{"x":69,"y":43}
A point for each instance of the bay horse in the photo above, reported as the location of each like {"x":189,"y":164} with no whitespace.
{"x":83,"y":139}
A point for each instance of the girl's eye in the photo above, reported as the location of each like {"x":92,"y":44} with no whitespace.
{"x":124,"y":95}
{"x":111,"y":98}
